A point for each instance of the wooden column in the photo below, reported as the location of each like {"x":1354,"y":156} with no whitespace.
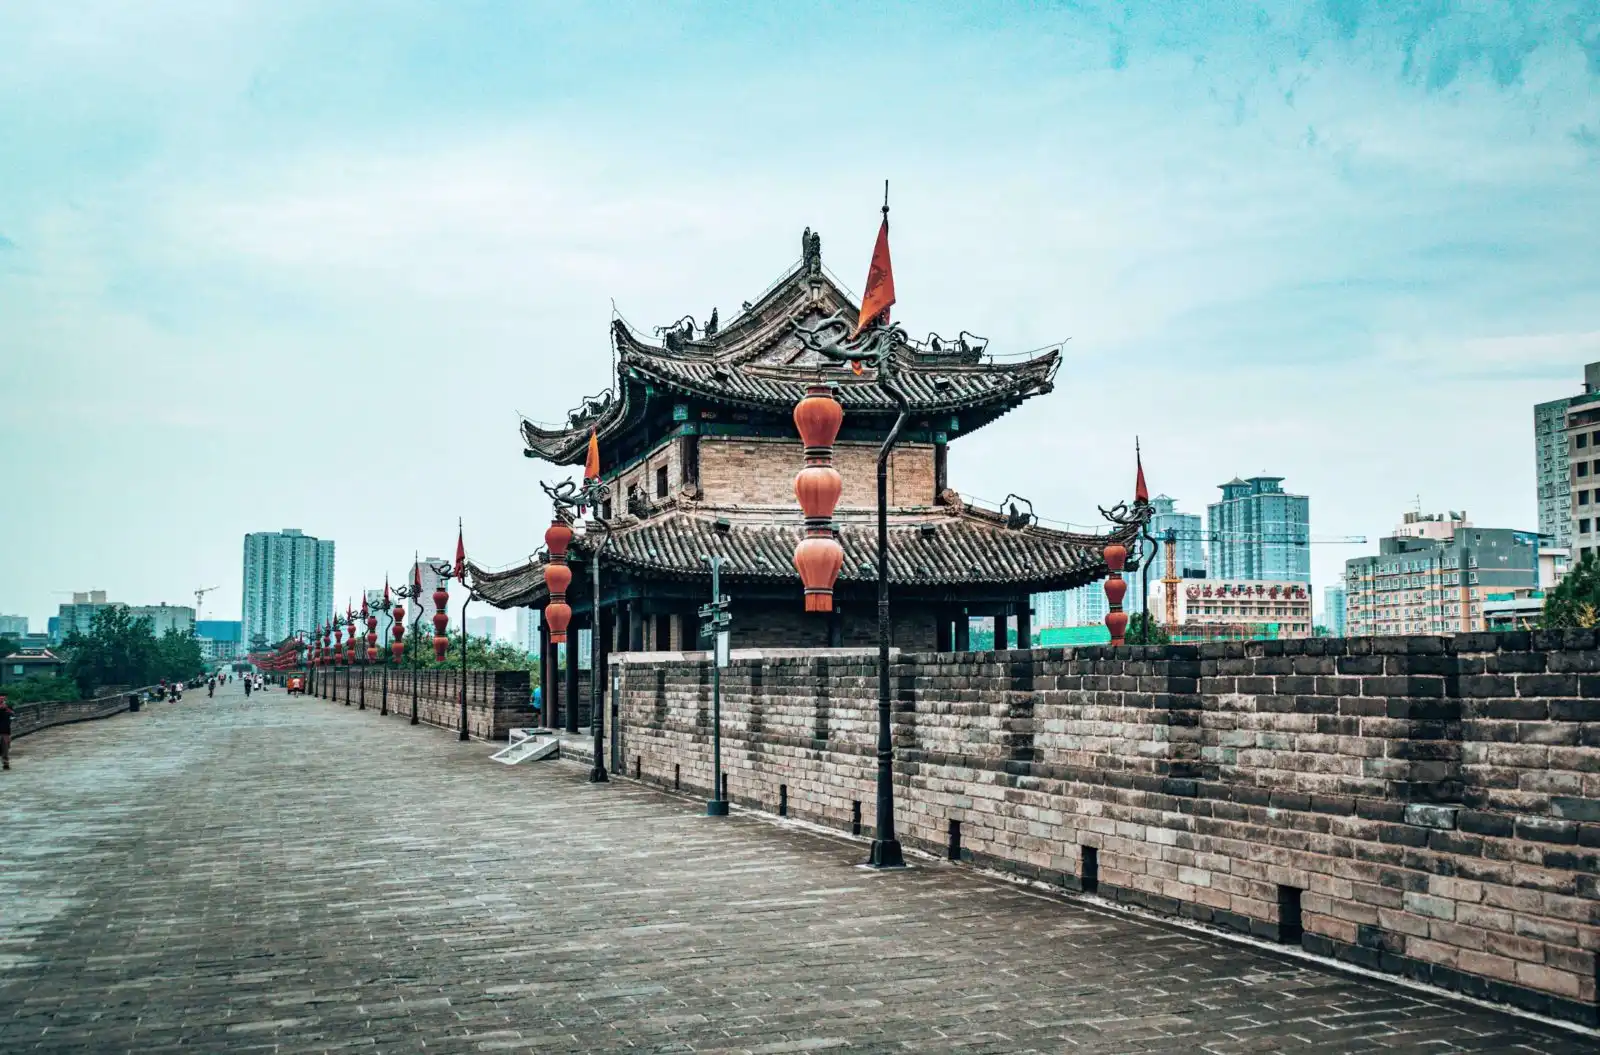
{"x":553,"y":663}
{"x":963,"y":641}
{"x":1002,"y":632}
{"x":635,"y":627}
{"x":572,"y":677}
{"x":544,"y":672}
{"x":944,"y":633}
{"x":836,"y":626}
{"x":1025,"y":623}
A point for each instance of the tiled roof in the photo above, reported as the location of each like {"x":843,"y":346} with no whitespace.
{"x":930,"y":547}
{"x":757,"y":362}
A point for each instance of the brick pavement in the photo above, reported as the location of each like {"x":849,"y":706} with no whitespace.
{"x":297,"y":876}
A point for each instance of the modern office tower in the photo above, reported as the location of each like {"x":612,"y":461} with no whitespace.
{"x":1552,"y":448}
{"x":1258,"y":532}
{"x":288,"y":584}
{"x":1333,"y":601}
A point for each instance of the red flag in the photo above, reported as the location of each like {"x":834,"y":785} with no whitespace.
{"x":1141,"y":493}
{"x":461,"y":554}
{"x":385,"y":587}
{"x":591,"y":464}
{"x":879,"y":294}
{"x":416,"y":577}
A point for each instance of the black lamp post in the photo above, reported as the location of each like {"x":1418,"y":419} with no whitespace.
{"x":567,"y":497}
{"x":472,"y":595}
{"x":413,"y":593}
{"x":386,"y":605}
{"x":716,"y":618}
{"x":842,"y":340}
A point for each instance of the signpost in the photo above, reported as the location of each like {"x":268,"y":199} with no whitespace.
{"x":715,"y":620}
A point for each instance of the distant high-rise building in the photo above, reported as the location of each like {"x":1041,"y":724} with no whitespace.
{"x":1049,"y":609}
{"x":1433,"y":575}
{"x":220,"y":639}
{"x":13,"y":625}
{"x":164,"y":617}
{"x":1334,"y":615}
{"x":430,"y":579}
{"x":481,"y":626}
{"x":76,"y":617}
{"x":1552,"y":453}
{"x":528,"y":630}
{"x":288,"y":584}
{"x":1580,"y":436}
{"x":1259,"y":532}
{"x":1190,"y":555}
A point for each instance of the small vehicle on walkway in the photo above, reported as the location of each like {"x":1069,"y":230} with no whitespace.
{"x":295,"y":685}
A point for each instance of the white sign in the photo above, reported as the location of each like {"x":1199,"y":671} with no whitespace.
{"x":722,"y":648}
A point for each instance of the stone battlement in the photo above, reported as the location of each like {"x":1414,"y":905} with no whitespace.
{"x":1425,"y":806}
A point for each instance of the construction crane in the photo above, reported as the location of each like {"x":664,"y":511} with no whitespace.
{"x":200,"y":596}
{"x":1170,"y":581}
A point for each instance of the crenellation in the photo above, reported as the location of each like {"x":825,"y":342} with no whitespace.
{"x":1423,"y":812}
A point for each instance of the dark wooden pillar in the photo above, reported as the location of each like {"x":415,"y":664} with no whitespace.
{"x":941,"y":470}
{"x":553,"y":683}
{"x":836,"y":626}
{"x":1002,"y":632}
{"x":944,"y":632}
{"x":572,"y":677}
{"x":635,"y":627}
{"x":1025,"y":623}
{"x":963,"y":641}
{"x":546,"y":715}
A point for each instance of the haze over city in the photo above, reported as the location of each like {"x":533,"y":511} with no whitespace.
{"x":302,"y":264}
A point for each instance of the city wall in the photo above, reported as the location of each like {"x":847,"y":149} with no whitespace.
{"x":32,"y":717}
{"x":497,"y":700}
{"x":1423,"y":806}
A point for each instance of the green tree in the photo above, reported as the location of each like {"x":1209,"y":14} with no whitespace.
{"x":42,"y":688}
{"x":1136,"y":628}
{"x":482,"y":654}
{"x":117,"y":650}
{"x":178,"y":656}
{"x":1576,"y":601}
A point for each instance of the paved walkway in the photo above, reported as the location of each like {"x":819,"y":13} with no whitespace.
{"x":291,"y":875}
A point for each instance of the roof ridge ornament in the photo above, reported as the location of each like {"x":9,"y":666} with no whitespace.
{"x":811,"y":253}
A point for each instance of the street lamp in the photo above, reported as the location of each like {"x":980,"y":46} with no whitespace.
{"x":386,"y":606}
{"x":413,"y":593}
{"x":716,"y":618}
{"x":869,"y":341}
{"x":567,"y":497}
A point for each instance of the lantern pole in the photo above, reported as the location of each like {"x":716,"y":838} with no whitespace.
{"x":716,"y":615}
{"x":886,"y":851}
{"x":566,"y":498}
{"x":385,"y":606}
{"x":472,"y":595}
{"x":413,"y":593}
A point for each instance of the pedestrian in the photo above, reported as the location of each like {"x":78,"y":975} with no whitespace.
{"x":211,"y":688}
{"x":247,"y":688}
{"x":5,"y":733}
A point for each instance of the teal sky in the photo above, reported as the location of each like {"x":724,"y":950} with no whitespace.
{"x":270,"y":265}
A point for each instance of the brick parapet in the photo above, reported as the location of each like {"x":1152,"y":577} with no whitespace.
{"x":1435,"y":802}
{"x":33,"y":717}
{"x":497,"y":701}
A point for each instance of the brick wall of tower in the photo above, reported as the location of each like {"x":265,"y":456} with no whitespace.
{"x":748,"y":471}
{"x":1432,"y":802}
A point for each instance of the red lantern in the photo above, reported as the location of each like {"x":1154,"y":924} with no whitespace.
{"x":1116,"y":556}
{"x":441,"y":623}
{"x":372,"y":638}
{"x":397,"y":633}
{"x":558,"y":616}
{"x":557,"y":537}
{"x":557,"y":577}
{"x":818,"y":557}
{"x":1116,"y":589}
{"x":1117,"y":623}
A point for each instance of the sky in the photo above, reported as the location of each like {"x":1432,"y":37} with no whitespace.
{"x":304,"y":264}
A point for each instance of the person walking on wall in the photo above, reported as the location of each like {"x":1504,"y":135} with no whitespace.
{"x":5,"y":733}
